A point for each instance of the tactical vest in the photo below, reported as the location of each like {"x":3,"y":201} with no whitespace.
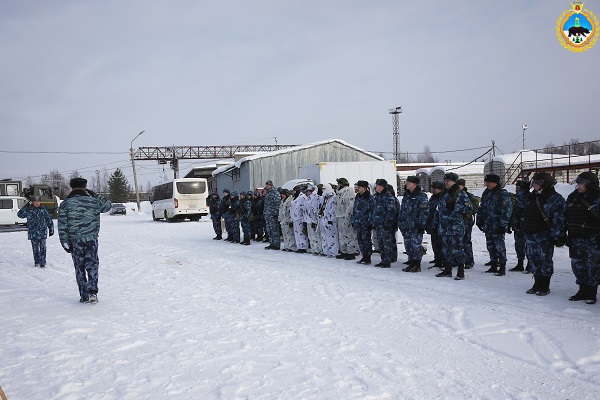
{"x":533,"y":219}
{"x":582,"y":220}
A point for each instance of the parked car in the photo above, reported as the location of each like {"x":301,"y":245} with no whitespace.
{"x":9,"y":206}
{"x":118,"y":208}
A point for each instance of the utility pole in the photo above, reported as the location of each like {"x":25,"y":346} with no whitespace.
{"x":137,"y":193}
{"x":396,"y":124}
{"x":493,"y":148}
{"x":97,"y":181}
{"x":524,"y":129}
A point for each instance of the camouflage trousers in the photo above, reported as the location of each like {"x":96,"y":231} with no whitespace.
{"x":39,"y":251}
{"x":217,"y":226}
{"x":273,"y":231}
{"x":232,"y":224}
{"x":388,"y":250}
{"x":413,"y":242}
{"x":453,"y":249}
{"x":436,"y":245}
{"x":348,"y":242}
{"x":496,"y":246}
{"x":469,"y":245}
{"x":330,"y":239}
{"x":287,"y":235}
{"x":519,"y":243}
{"x":540,"y":250}
{"x":585,"y":260}
{"x":85,"y":260}
{"x":300,"y":236}
{"x":365,"y":244}
{"x":256,"y":227}
{"x":314,"y":238}
{"x":245,"y":228}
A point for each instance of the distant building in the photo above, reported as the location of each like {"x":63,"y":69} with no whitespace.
{"x":252,"y":171}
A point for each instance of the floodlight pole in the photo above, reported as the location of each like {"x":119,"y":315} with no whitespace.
{"x":396,"y":124}
{"x":137,"y":193}
{"x":524,"y":129}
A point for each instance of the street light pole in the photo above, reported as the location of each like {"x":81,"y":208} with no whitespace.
{"x":137,"y":193}
{"x":524,"y":129}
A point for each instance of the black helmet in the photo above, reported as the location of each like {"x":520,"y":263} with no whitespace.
{"x":589,"y":179}
{"x":544,"y":179}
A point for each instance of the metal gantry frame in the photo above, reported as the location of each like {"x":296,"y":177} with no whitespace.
{"x":396,"y":123}
{"x":172,"y":154}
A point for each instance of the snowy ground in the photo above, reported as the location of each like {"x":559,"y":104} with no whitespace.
{"x":182,"y":316}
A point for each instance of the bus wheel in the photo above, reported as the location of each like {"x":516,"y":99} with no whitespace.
{"x":167,"y":217}
{"x":195,"y":218}
{"x":154,"y":216}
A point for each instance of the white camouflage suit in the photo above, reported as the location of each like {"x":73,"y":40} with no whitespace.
{"x":329,"y":231}
{"x":343,"y":214}
{"x":297,"y":214}
{"x":289,"y":243}
{"x":311,"y":217}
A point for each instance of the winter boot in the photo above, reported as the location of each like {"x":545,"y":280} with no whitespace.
{"x":527,"y":268}
{"x":407,"y":262}
{"x":487,"y":264}
{"x":518,"y":267}
{"x":544,"y":288}
{"x":592,"y":294}
{"x":218,"y":237}
{"x":535,"y":286}
{"x":416,"y":266}
{"x":350,"y":257}
{"x":581,"y":294}
{"x":341,"y":256}
{"x":501,"y":270}
{"x":364,"y":260}
{"x":385,"y":265}
{"x":493,"y":267}
{"x":408,"y":267}
{"x":247,"y":241}
{"x":446,"y":273}
{"x":460,"y":273}
{"x":468,"y":266}
{"x":434,"y":261}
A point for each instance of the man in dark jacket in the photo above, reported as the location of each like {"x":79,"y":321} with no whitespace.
{"x":78,"y":227}
{"x":385,"y":222}
{"x":522,"y":190}
{"x":214,"y":206}
{"x":364,"y":205}
{"x":412,"y":222}
{"x":583,"y":227}
{"x":544,"y":228}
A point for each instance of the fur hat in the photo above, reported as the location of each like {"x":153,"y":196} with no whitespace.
{"x":363,"y":184}
{"x":589,"y":179}
{"x":492,"y":178}
{"x":381,"y":182}
{"x":461,"y":182}
{"x":226,"y":191}
{"x":437,"y":185}
{"x":451,"y":176}
{"x":413,"y":179}
{"x":78,"y":183}
{"x":269,"y":182}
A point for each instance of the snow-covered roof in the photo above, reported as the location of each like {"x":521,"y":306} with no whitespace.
{"x":238,"y":163}
{"x":469,"y":169}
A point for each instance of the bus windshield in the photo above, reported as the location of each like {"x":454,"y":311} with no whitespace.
{"x":191,"y":187}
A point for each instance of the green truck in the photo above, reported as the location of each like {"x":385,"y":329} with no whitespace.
{"x":47,"y":197}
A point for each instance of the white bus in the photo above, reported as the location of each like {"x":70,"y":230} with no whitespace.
{"x":183,"y":198}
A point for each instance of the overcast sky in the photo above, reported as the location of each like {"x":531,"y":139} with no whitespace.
{"x":87,"y":76}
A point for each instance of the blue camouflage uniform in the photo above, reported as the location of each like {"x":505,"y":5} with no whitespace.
{"x":235,"y":210}
{"x":225,"y":206}
{"x":493,"y":217}
{"x":271,"y":213}
{"x":257,"y":225}
{"x":214,"y":206}
{"x":412,"y":222}
{"x":583,"y":226}
{"x":39,"y":223}
{"x":78,"y":228}
{"x":361,"y":222}
{"x":385,"y":222}
{"x":432,"y":229}
{"x":544,"y":227}
{"x":451,"y":220}
{"x":518,"y":209}
{"x":246,"y":216}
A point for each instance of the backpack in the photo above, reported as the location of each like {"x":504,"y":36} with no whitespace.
{"x":475,"y":200}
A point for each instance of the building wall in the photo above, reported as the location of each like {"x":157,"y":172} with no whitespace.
{"x":282,"y":167}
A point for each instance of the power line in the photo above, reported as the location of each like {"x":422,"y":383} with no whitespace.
{"x":433,"y":152}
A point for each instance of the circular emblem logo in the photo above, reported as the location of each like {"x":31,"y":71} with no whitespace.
{"x":576,"y":28}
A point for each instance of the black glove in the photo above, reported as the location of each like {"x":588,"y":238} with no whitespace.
{"x":330,"y":222}
{"x":91,"y":193}
{"x":291,"y":224}
{"x":500,"y":229}
{"x":559,"y":242}
{"x":67,"y":247}
{"x":421,"y":231}
{"x":50,"y":233}
{"x":313,"y":225}
{"x":480,"y":226}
